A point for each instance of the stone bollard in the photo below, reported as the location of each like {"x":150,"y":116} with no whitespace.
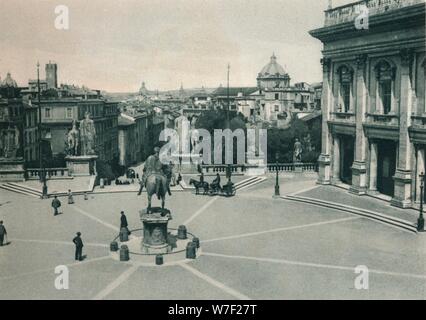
{"x":159,"y":259}
{"x":196,"y":242}
{"x":181,"y":233}
{"x":124,"y":253}
{"x":101,"y":183}
{"x":124,"y":235}
{"x":191,"y":251}
{"x":86,"y":197}
{"x":113,"y":246}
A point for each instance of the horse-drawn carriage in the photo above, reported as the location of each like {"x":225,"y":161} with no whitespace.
{"x":213,"y":189}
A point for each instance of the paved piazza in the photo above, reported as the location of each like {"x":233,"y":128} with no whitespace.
{"x":252,"y":247}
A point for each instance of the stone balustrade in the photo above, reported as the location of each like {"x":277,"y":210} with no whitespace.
{"x":52,"y":173}
{"x":290,"y":167}
{"x":344,"y":116}
{"x":385,"y":119}
{"x":350,"y":12}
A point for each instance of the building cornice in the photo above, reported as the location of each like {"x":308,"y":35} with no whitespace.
{"x":406,"y":17}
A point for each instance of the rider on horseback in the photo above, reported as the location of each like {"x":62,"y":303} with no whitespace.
{"x":152,"y":165}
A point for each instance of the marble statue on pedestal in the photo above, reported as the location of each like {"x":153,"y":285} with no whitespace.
{"x":73,"y":138}
{"x":297,"y":156}
{"x":87,"y":134}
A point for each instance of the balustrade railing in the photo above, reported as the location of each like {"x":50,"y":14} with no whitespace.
{"x":289,"y":167}
{"x":350,"y":12}
{"x":271,"y":167}
{"x":51,"y":173}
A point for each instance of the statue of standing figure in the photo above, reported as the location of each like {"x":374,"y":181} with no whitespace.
{"x":87,"y":133}
{"x":297,"y":156}
{"x":73,"y":138}
{"x":10,"y":142}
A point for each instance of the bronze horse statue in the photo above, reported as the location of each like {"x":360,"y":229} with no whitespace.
{"x":155,"y":184}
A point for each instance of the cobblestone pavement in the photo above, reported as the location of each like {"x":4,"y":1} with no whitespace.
{"x":253,"y":247}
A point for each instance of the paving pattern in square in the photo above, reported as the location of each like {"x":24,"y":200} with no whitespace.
{"x":253,"y":247}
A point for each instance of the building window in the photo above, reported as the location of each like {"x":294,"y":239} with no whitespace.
{"x":47,"y":112}
{"x":69,"y":112}
{"x":385,"y":76}
{"x":277,"y":96}
{"x":386,"y":95}
{"x":277,"y":108}
{"x":345,"y":89}
{"x":346,"y":96}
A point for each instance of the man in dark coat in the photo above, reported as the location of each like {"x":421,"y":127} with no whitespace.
{"x":55,"y":205}
{"x":78,"y":247}
{"x":3,"y":232}
{"x":216,"y":183}
{"x":123,"y":222}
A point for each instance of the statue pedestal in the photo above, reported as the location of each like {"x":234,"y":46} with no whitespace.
{"x":256,"y":166}
{"x":298,"y":167}
{"x":187,"y":165}
{"x":155,"y":231}
{"x":12,"y":170}
{"x":81,"y":165}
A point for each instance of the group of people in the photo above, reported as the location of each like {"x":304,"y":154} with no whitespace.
{"x":56,"y":203}
{"x":215,"y":184}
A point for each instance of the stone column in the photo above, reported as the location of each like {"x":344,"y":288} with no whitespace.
{"x":326,"y":106}
{"x":403,"y":175}
{"x":373,"y":168}
{"x":336,"y":160}
{"x":420,"y":170}
{"x":359,"y":168}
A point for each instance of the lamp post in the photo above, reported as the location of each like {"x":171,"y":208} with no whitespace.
{"x":277,"y":185}
{"x":42,"y":172}
{"x":421,"y":220}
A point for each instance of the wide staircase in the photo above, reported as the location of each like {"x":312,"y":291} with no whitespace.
{"x":374,"y":215}
{"x":18,"y":188}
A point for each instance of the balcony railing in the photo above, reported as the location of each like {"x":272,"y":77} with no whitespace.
{"x":348,"y":13}
{"x":346,"y":116}
{"x":386,"y":119}
{"x":419,"y":120}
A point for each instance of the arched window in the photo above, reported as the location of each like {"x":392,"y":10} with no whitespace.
{"x":345,"y":88}
{"x":385,"y":76}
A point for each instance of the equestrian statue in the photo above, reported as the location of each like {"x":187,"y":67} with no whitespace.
{"x":155,"y":179}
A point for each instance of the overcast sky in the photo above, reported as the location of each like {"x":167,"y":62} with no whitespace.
{"x":115,"y":45}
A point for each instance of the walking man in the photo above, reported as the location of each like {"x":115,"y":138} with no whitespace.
{"x":56,"y":204}
{"x":78,"y":247}
{"x":3,"y":232}
{"x":123,"y":222}
{"x":70,"y":197}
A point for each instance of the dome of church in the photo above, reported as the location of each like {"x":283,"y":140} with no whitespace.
{"x":9,"y":82}
{"x":273,"y":68}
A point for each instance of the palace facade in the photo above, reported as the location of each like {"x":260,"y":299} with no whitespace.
{"x":373,"y":99}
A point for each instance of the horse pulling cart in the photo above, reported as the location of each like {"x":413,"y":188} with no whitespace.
{"x":228,"y":190}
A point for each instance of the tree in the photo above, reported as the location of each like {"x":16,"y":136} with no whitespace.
{"x":282,"y":141}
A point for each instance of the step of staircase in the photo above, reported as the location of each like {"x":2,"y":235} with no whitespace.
{"x":249,"y":183}
{"x":13,"y":188}
{"x":396,"y":222}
